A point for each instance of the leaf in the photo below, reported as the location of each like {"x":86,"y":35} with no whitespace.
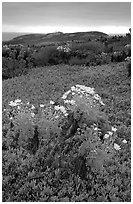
{"x":97,"y":159}
{"x":83,"y":147}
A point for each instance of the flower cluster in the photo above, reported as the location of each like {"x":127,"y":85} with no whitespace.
{"x":128,"y":59}
{"x":81,"y":91}
{"x":65,"y":48}
{"x":70,"y":99}
{"x":18,"y":108}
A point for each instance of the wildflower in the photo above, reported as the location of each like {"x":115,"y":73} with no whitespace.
{"x":106,"y":136}
{"x":65,"y":94}
{"x":73,"y":88}
{"x":127,"y":58}
{"x":102,"y":103}
{"x":96,"y":96}
{"x":86,"y":89}
{"x":41,"y":105}
{"x":96,"y":128}
{"x":114,"y":129}
{"x":72,"y":102}
{"x":62,"y":109}
{"x":52,"y":102}
{"x":66,"y":114}
{"x":18,"y":100}
{"x":57,"y":107}
{"x":12,"y":103}
{"x":116,"y":146}
{"x":66,"y":101}
{"x":32,"y":115}
{"x":124,"y":141}
{"x":28,"y":103}
{"x":110,"y":133}
{"x":32,"y":107}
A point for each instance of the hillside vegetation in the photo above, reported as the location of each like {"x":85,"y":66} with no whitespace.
{"x":38,"y":39}
{"x":87,"y":49}
{"x":28,"y":179}
{"x":66,"y":120}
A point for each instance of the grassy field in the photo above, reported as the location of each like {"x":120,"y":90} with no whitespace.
{"x":43,"y":84}
{"x":110,"y":81}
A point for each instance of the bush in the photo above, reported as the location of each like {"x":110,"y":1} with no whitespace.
{"x":45,"y":56}
{"x":77,"y":61}
{"x":12,"y":68}
{"x":95,"y":47}
{"x":129,"y":69}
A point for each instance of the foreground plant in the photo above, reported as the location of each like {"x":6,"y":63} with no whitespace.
{"x":69,"y":139}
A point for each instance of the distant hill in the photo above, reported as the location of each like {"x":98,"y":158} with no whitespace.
{"x":56,"y":37}
{"x":10,"y":35}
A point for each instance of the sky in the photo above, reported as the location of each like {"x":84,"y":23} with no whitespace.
{"x":67,"y":17}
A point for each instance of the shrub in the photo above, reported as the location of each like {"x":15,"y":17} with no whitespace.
{"x":95,"y":47}
{"x":45,"y":56}
{"x":129,"y":69}
{"x":77,"y":61}
{"x":12,"y":67}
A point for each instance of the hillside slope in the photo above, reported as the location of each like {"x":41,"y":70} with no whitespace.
{"x":55,"y":37}
{"x":30,"y":181}
{"x":43,"y":84}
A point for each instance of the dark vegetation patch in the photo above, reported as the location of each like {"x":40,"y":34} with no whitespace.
{"x":18,"y":59}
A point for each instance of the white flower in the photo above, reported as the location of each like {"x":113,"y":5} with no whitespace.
{"x":114,"y":129}
{"x":18,"y":107}
{"x":18,"y":101}
{"x":12,"y":103}
{"x":106,"y":136}
{"x":65,"y":94}
{"x":41,"y":105}
{"x":116,"y":146}
{"x":57,"y":107}
{"x":102,"y":103}
{"x":96,"y":128}
{"x":28,"y":103}
{"x":110,"y":133}
{"x":62,"y":109}
{"x":124,"y":141}
{"x":73,"y":88}
{"x":56,"y":116}
{"x":66,"y":114}
{"x":86,"y":89}
{"x":96,"y":96}
{"x":66,"y":101}
{"x":52,"y":102}
{"x":32,"y":114}
{"x":72,"y":102}
{"x":32,"y":107}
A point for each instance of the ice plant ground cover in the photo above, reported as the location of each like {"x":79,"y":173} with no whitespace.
{"x":73,"y":147}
